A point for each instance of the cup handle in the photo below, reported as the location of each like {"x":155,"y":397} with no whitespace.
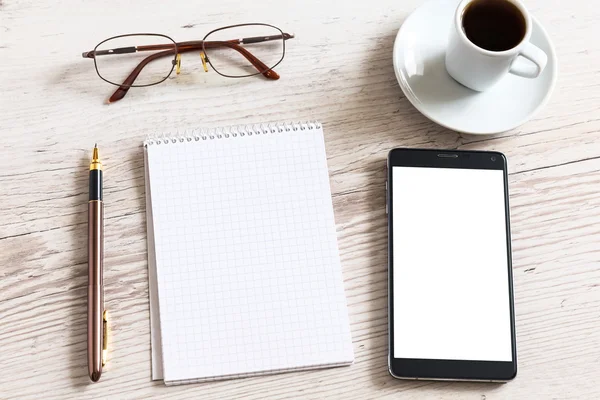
{"x":538,"y":58}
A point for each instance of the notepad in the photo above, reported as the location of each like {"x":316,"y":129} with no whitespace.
{"x":245,"y":275}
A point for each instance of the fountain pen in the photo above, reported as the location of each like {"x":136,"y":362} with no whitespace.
{"x":97,"y":317}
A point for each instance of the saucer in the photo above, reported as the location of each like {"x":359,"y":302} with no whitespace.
{"x":419,"y":53}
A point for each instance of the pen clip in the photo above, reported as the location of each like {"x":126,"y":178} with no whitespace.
{"x":104,"y":337}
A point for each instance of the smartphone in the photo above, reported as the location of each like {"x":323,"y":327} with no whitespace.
{"x":451,"y":307}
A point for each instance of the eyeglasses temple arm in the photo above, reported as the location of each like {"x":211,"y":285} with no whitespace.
{"x":134,"y":49}
{"x":126,"y":50}
{"x":260,"y":39}
{"x":119,"y":50}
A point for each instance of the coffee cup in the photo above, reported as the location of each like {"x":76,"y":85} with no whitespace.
{"x":487,"y":40}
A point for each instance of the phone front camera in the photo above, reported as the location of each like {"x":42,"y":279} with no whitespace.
{"x":493,"y":158}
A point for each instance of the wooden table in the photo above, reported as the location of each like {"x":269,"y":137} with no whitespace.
{"x":338,"y":70}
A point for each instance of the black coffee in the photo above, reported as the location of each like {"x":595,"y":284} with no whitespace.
{"x":494,"y":25}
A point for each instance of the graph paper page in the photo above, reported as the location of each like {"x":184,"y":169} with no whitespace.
{"x":247,"y":264}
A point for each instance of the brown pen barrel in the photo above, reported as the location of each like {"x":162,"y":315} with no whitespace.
{"x":95,"y":288}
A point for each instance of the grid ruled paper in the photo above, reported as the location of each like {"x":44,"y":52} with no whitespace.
{"x":246,"y":259}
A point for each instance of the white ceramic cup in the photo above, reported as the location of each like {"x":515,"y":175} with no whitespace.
{"x":480,"y":69}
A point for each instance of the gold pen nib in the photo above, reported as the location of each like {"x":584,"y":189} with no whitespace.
{"x":96,"y":164}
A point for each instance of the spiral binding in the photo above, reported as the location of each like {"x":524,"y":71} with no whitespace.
{"x":229,"y":132}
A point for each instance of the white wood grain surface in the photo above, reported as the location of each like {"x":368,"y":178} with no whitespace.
{"x":338,"y":70}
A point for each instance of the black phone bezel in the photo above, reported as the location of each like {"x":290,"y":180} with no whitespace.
{"x":471,"y":370}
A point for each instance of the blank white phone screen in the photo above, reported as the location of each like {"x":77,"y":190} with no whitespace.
{"x":450,"y":267}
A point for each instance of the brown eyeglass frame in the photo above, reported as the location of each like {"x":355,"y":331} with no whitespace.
{"x":184,"y":47}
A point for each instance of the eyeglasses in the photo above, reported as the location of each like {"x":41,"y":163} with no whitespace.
{"x":146,"y":59}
